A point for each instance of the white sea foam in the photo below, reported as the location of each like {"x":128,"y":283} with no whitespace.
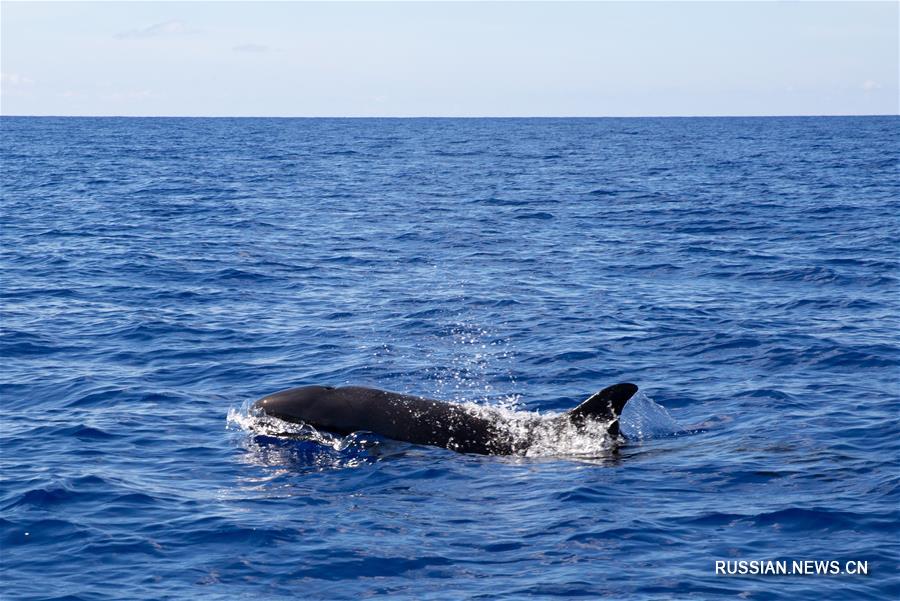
{"x":254,"y":421}
{"x":535,"y":434}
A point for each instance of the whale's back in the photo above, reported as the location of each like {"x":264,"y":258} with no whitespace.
{"x":463,"y":428}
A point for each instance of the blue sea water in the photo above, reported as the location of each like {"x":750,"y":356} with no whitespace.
{"x":159,"y":274}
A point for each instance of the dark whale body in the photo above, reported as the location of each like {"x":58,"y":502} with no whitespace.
{"x":466,"y":429}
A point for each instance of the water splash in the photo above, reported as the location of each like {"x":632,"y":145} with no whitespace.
{"x":644,"y":418}
{"x":277,"y":443}
{"x":470,"y":360}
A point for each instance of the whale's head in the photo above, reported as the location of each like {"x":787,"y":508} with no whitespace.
{"x":303,"y":404}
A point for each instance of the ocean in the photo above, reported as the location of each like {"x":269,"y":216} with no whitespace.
{"x":159,"y":274}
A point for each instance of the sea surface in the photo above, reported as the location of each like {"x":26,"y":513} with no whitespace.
{"x":160,"y":274}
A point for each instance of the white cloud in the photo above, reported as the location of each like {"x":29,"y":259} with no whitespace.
{"x":110,"y":95}
{"x":128,"y":95}
{"x":15,"y":79}
{"x":158,"y":30}
{"x":251,"y":48}
{"x":869,"y":85}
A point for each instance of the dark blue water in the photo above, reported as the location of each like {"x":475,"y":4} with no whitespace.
{"x":158,"y":274}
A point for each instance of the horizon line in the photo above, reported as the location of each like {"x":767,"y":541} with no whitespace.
{"x":411,"y":117}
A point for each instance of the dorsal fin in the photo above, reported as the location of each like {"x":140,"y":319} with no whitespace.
{"x":606,"y":405}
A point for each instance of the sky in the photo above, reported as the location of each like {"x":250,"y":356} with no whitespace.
{"x":453,"y":59}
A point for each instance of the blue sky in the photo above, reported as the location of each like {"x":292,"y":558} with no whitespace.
{"x":449,"y":59}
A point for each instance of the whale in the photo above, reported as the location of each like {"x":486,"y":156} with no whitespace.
{"x":465,"y":428}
